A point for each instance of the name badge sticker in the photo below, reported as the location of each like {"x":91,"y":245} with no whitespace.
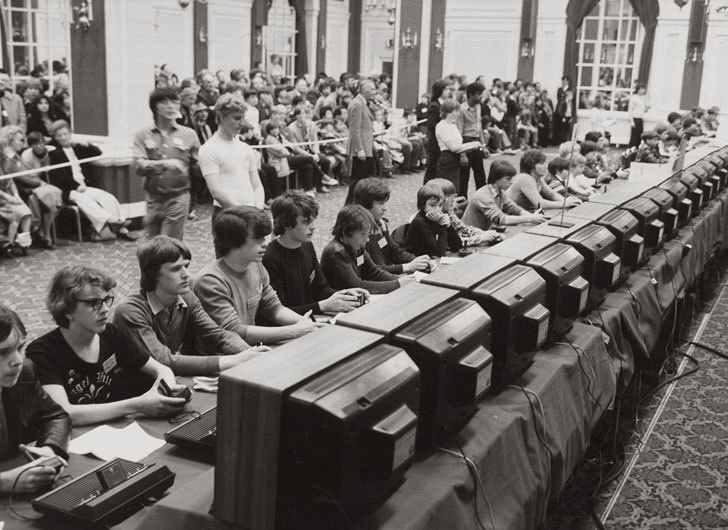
{"x":382,"y":242}
{"x":110,"y":363}
{"x":177,"y":142}
{"x":311,"y":276}
{"x":360,"y":260}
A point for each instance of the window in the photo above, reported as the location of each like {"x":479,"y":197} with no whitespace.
{"x":38,"y":37}
{"x":279,"y":38}
{"x":609,"y":49}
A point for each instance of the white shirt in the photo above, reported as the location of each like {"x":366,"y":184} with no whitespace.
{"x":637,"y":106}
{"x":75,"y":166}
{"x":448,"y":136}
{"x":232,"y":162}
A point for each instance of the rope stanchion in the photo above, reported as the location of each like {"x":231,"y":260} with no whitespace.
{"x":102,"y":157}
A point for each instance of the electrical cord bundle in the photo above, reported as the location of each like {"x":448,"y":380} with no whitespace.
{"x":13,"y":492}
{"x":477,"y":482}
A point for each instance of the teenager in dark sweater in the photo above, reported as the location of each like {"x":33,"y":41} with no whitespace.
{"x":373,"y":194}
{"x":345,"y":262}
{"x":430,"y":231}
{"x":291,"y":260}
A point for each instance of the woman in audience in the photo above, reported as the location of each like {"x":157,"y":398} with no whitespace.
{"x":13,"y":210}
{"x":41,"y":117}
{"x":28,"y":414}
{"x":61,"y":105}
{"x":87,"y":365}
{"x":450,"y":142}
{"x":101,"y":207}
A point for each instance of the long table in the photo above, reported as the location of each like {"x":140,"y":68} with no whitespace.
{"x":570,"y":385}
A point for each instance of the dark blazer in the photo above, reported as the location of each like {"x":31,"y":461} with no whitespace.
{"x":63,"y":177}
{"x":433,"y":118}
{"x":32,"y":415}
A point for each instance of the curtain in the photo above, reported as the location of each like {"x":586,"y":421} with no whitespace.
{"x":301,"y":65}
{"x":9,"y":68}
{"x":648,"y":11}
{"x":576,"y":10}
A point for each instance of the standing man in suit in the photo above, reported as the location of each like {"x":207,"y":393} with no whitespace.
{"x":361,"y":136}
{"x":441,"y":91}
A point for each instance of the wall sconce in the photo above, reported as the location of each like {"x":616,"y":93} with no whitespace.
{"x":389,"y":43}
{"x":695,"y":56}
{"x":202,"y":36}
{"x":438,"y":40}
{"x":184,"y":3}
{"x":82,"y":16}
{"x":258,"y":37}
{"x":409,"y":39}
{"x":323,"y":42}
{"x":527,"y":49}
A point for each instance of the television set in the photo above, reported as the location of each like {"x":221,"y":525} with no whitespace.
{"x":695,"y":192}
{"x":683,"y":204}
{"x":629,"y":245}
{"x":314,"y":432}
{"x":668,"y":214}
{"x":567,"y":292}
{"x":515,"y":299}
{"x":601,"y":265}
{"x":448,"y":337}
{"x":722,"y":174}
{"x":650,"y":226}
{"x":520,"y":246}
{"x":706,"y":184}
{"x":559,"y":227}
{"x":712,"y":165}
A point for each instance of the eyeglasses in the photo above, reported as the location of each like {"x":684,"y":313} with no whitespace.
{"x":96,"y":303}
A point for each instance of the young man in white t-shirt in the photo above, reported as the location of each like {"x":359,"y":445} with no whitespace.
{"x":228,"y":164}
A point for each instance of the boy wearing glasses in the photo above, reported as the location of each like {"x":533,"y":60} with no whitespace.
{"x":87,"y":365}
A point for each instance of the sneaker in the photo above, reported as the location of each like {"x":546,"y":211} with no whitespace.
{"x":328,"y":181}
{"x":192,"y":215}
{"x":311,"y":193}
{"x":323,"y":189}
{"x":125,"y":235}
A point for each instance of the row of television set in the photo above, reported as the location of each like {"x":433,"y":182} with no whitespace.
{"x":321,"y":430}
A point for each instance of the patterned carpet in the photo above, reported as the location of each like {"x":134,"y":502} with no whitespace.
{"x":673,"y":451}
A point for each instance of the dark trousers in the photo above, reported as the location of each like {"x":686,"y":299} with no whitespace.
{"x":635,"y":136}
{"x":433,"y":155}
{"x":448,"y":167}
{"x":309,"y":172}
{"x":475,"y":161}
{"x":360,"y":169}
{"x":269,"y":178}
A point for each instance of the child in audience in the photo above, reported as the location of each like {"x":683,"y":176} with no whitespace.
{"x":578,"y":183}
{"x":430,"y":231}
{"x":347,"y":264}
{"x":471,"y":236}
{"x":291,"y":262}
{"x":29,"y":415}
{"x":558,"y":173}
{"x":235,"y":290}
{"x":87,"y":365}
{"x":648,"y":152}
{"x":373,"y":194}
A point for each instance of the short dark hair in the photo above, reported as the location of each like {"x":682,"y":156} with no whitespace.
{"x":588,"y":147}
{"x":155,"y":253}
{"x":427,"y":192}
{"x":287,"y":207}
{"x":557,"y":165}
{"x":369,"y":190}
{"x":249,"y":93}
{"x":530,"y":158}
{"x":35,"y":138}
{"x":352,"y":218}
{"x":161,"y":94}
{"x":592,"y":136}
{"x":65,"y":285}
{"x":438,"y":87}
{"x":234,"y":224}
{"x":474,"y":88}
{"x":9,"y":321}
{"x":272,"y":124}
{"x":688,"y":122}
{"x":500,"y":168}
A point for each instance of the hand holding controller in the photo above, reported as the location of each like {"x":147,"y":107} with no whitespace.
{"x":182,"y":392}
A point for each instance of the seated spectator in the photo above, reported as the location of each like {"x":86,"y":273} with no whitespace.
{"x":29,"y":415}
{"x":303,"y":130}
{"x":13,"y":210}
{"x":528,"y":190}
{"x":710,"y":121}
{"x":430,"y":231}
{"x":99,"y":206}
{"x":373,"y":194}
{"x":61,"y":107}
{"x":41,"y":117}
{"x":527,"y":132}
{"x":166,"y":319}
{"x":291,"y":262}
{"x":200,"y":114}
{"x":491,"y":207}
{"x":235,"y":290}
{"x":347,"y":264}
{"x":649,"y":151}
{"x":87,"y":365}
{"x":252,"y":115}
{"x":567,"y":148}
{"x":266,"y":172}
{"x":309,"y":173}
{"x":578,"y":184}
{"x":471,"y":236}
{"x":334,"y":151}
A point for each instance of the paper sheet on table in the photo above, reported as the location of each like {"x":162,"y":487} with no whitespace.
{"x":419,"y":275}
{"x":205,"y":384}
{"x":447,"y":260}
{"x":107,"y":443}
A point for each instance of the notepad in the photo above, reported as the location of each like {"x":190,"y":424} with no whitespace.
{"x":107,"y":443}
